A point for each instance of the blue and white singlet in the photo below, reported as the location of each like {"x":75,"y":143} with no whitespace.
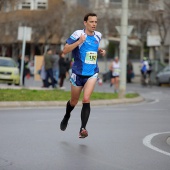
{"x":85,"y":55}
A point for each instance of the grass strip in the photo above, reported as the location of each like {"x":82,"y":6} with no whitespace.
{"x":51,"y":95}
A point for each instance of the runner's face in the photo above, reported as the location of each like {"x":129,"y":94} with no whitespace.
{"x":116,"y":59}
{"x":91,"y":24}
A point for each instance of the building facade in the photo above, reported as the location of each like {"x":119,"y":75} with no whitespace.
{"x":46,"y":19}
{"x":40,"y":15}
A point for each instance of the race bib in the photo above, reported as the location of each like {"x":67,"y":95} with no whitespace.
{"x":117,"y":70}
{"x":91,"y":57}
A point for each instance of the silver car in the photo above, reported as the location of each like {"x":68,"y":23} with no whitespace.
{"x":163,"y":77}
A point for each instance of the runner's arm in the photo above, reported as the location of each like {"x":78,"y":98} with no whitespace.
{"x":102,"y":52}
{"x":69,"y":47}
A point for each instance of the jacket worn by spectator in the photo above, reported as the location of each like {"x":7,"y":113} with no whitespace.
{"x":48,"y":58}
{"x":62,"y":67}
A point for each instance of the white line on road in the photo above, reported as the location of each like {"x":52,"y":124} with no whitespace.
{"x":147,"y":142}
{"x":155,"y":101}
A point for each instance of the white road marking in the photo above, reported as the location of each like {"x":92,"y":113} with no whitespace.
{"x":147,"y":142}
{"x":155,"y":101}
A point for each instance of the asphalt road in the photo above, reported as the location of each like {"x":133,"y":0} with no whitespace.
{"x":121,"y":137}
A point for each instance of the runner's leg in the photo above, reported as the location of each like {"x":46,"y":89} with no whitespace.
{"x":75,"y":94}
{"x":117,"y":83}
{"x":113,"y":81}
{"x":85,"y":112}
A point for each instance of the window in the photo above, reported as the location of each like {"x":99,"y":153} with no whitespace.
{"x":26,"y":5}
{"x":84,"y":3}
{"x":166,"y":69}
{"x":115,"y":1}
{"x":41,"y":4}
{"x":143,"y":1}
{"x":32,"y":4}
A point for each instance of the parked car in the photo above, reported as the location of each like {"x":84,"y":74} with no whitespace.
{"x":9,"y":72}
{"x":163,"y":77}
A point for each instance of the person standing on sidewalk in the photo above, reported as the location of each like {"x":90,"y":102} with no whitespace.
{"x":130,"y":73}
{"x":115,"y":68}
{"x":25,"y":69}
{"x":56,"y":68}
{"x":48,"y":61}
{"x":84,"y":45}
{"x":62,"y":70}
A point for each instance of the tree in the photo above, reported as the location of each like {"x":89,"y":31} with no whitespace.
{"x":47,"y":25}
{"x":160,"y":19}
{"x":6,"y":5}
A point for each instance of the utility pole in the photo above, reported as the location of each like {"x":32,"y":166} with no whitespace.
{"x":123,"y":48}
{"x":24,"y":34}
{"x":23,"y":55}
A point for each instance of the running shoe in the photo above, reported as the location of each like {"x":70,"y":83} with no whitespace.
{"x":83,"y":133}
{"x":64,"y":123}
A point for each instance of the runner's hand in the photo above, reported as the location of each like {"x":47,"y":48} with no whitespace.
{"x":82,"y":39}
{"x":102,"y":52}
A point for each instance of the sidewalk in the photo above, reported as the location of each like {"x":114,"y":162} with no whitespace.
{"x":63,"y":103}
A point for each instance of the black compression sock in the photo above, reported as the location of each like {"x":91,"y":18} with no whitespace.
{"x":85,"y":112}
{"x":69,"y":108}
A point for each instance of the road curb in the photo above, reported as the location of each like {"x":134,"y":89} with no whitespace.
{"x":63,"y":103}
{"x":168,"y":141}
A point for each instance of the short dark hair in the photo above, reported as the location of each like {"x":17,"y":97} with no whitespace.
{"x":49,"y":49}
{"x":89,"y":15}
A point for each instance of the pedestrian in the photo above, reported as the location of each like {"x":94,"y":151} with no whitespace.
{"x":26,"y":70}
{"x":84,"y":45}
{"x":149,"y":71}
{"x":42,"y":73}
{"x":115,"y":69}
{"x":68,"y":66}
{"x":130,"y":73}
{"x":144,"y":70}
{"x":62,"y":70}
{"x":48,"y":63}
{"x":56,"y":68}
{"x":110,"y":74}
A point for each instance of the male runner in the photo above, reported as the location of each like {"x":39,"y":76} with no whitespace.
{"x":84,"y":45}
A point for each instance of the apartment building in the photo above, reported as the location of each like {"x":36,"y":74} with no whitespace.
{"x":109,"y":13}
{"x":144,"y":16}
{"x":8,"y":6}
{"x":31,"y":13}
